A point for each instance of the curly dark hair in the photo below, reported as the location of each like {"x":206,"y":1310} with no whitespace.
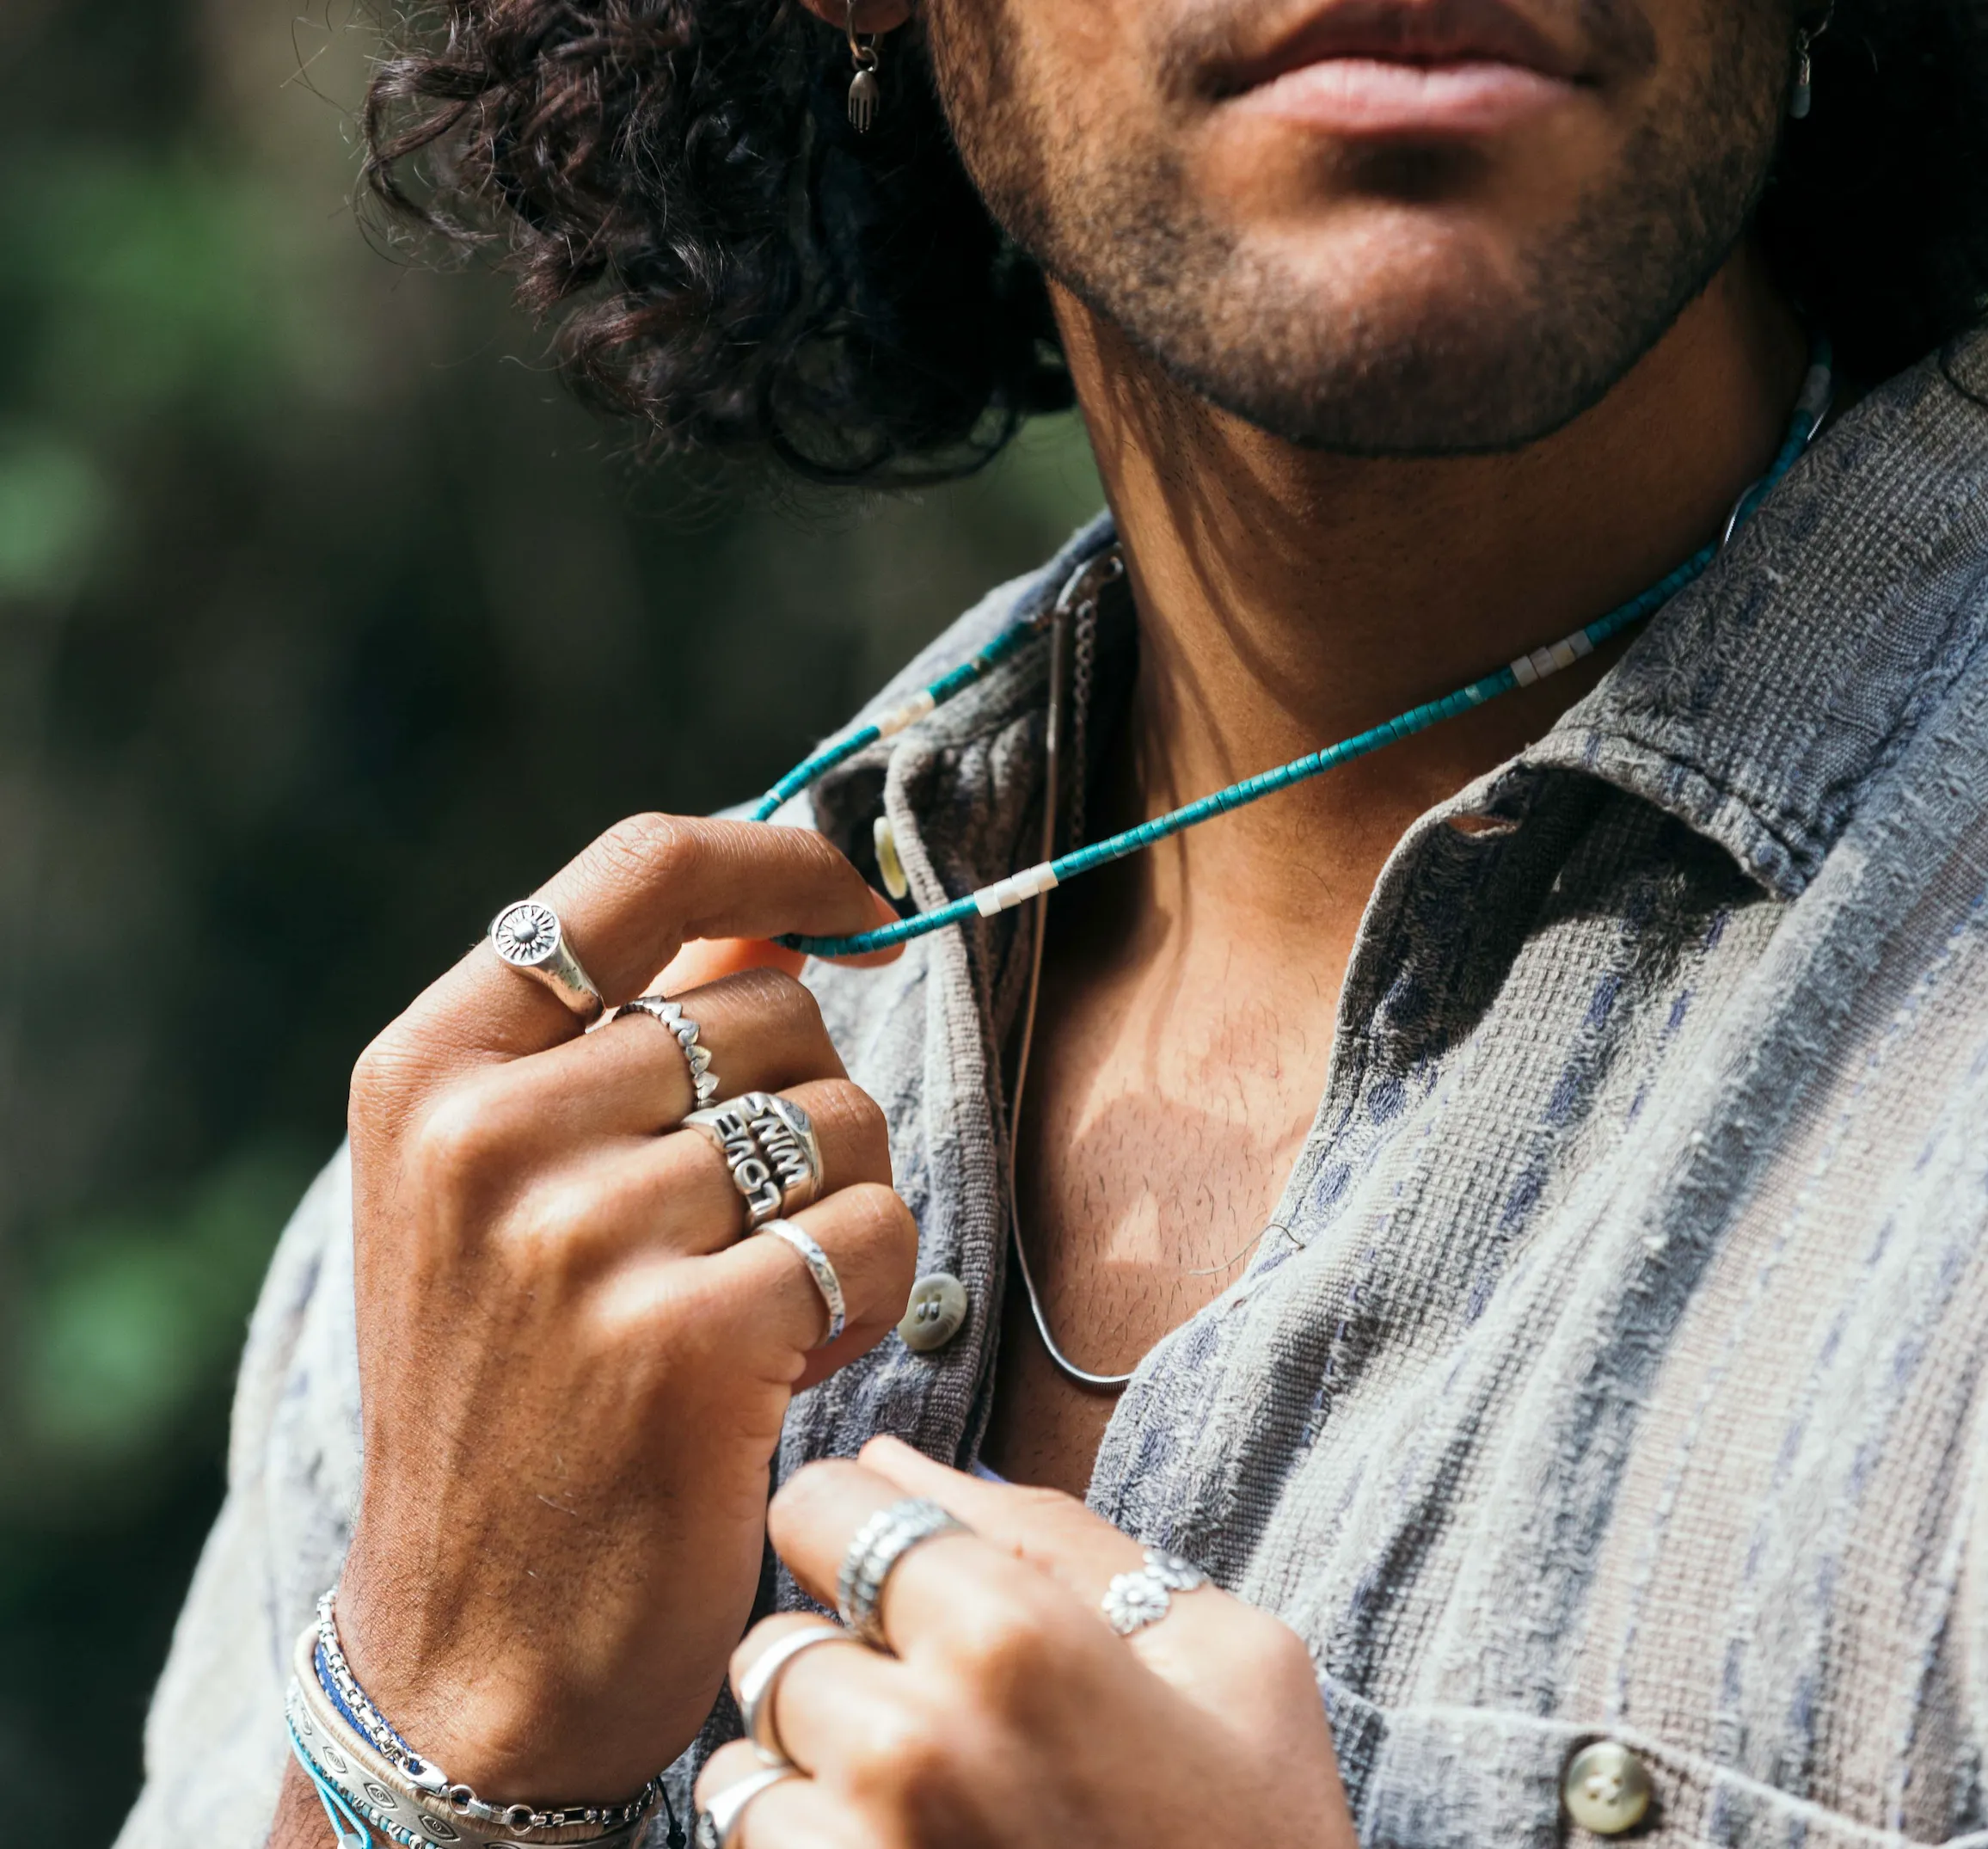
{"x":734,"y":274}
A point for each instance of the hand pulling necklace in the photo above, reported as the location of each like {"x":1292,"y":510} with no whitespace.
{"x":1078,"y":599}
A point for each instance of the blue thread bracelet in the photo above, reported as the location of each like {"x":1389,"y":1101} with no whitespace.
{"x":1812,"y":410}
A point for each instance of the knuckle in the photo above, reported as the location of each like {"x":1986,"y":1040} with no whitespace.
{"x":765,"y":990}
{"x":877,"y":1215}
{"x":856,"y":1123}
{"x":868,"y":1128}
{"x":1007,"y":1645}
{"x":1282,"y":1654}
{"x":383,"y":1076}
{"x":909,"y":1755}
{"x":644,"y":849}
{"x":729,"y":1764}
{"x":555,"y":1226}
{"x":455,"y":1144}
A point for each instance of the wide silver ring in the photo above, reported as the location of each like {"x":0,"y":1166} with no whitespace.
{"x":874,"y":1555}
{"x":703,"y":1080}
{"x":1133,"y":1600}
{"x":788,"y":1145}
{"x":756,"y":1686}
{"x":529,"y":936}
{"x":720,"y":1818}
{"x":730,"y":1130}
{"x":819,"y":1268}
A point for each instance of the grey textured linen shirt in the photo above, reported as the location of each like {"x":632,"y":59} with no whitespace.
{"x":1617,"y":1372}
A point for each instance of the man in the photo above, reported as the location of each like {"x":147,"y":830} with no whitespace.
{"x":1533,"y":1175}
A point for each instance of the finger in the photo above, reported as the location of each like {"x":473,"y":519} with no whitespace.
{"x":853,"y":1677}
{"x":869,"y":1237}
{"x":1194,"y":1646}
{"x":1053,"y":1532}
{"x":795,"y":1814}
{"x":709,"y":959}
{"x":626,"y":905}
{"x":678,"y":1189}
{"x":954,"y":1593}
{"x":632,"y":1077}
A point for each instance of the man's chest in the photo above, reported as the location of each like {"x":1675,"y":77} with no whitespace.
{"x":1164,"y":1110}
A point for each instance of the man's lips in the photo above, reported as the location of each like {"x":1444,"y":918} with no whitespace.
{"x":1405,"y":69}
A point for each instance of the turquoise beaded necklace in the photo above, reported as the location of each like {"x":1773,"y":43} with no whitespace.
{"x":1811,"y":411}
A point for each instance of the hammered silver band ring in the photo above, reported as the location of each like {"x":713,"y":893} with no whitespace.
{"x":703,"y":1080}
{"x":874,"y":1553}
{"x":819,"y":1268}
{"x":757,"y":1686}
{"x":720,"y":1818}
{"x":1143,"y":1597}
{"x":529,"y":936}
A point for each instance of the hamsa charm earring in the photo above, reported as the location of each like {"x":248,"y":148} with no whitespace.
{"x":864,"y":90}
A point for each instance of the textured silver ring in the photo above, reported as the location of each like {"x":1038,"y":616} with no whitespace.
{"x":1133,"y":1600}
{"x":756,"y":1686}
{"x":730,"y":1130}
{"x":820,"y":1269}
{"x":874,"y":1554}
{"x":720,"y":1818}
{"x":703,"y":1080}
{"x":529,"y":936}
{"x":788,"y":1145}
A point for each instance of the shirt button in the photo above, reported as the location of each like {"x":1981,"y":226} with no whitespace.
{"x":936,"y":1314}
{"x":1607,"y":1788}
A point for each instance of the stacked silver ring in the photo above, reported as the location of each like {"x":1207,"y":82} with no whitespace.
{"x":1133,"y":1600}
{"x":770,"y":1148}
{"x":874,"y":1555}
{"x":529,"y":936}
{"x":703,"y":1080}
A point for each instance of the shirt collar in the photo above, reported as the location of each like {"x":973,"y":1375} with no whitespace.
{"x":1757,"y":705}
{"x":1761,"y":702}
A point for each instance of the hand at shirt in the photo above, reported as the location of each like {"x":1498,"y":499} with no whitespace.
{"x":1008,"y":1712}
{"x":573,"y":1362}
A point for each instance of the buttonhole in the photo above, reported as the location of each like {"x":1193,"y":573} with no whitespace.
{"x":1482,"y":827}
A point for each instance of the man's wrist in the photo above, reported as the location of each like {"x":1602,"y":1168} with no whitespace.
{"x":513,"y":1733}
{"x":300,"y":1822}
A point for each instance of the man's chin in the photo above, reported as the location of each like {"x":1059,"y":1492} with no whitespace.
{"x":1382,"y":378}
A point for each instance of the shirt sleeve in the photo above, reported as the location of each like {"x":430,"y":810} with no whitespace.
{"x":214,"y":1745}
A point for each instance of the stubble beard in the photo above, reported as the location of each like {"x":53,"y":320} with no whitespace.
{"x":1498,"y":358}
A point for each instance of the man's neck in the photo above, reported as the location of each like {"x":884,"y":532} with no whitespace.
{"x":1288,"y":598}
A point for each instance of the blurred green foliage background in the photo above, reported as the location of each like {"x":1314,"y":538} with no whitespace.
{"x":326,"y":625}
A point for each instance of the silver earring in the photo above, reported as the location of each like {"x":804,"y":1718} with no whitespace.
{"x":864,"y":91}
{"x":1803,"y":100}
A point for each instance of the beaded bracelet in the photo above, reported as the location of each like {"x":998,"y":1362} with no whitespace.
{"x":392,"y":1776}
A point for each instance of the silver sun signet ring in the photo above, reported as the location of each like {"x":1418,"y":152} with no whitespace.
{"x":529,"y":936}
